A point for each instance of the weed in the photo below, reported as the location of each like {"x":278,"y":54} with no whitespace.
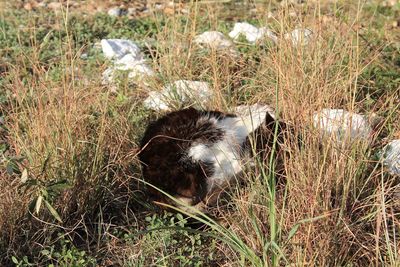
{"x":68,"y":143}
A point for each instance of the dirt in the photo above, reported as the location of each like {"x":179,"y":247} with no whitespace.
{"x":136,"y":8}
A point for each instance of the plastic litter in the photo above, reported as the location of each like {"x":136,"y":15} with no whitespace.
{"x":181,"y":91}
{"x":391,"y":157}
{"x":126,"y":56}
{"x":252,"y":33}
{"x":342,"y":125}
{"x":299,"y":36}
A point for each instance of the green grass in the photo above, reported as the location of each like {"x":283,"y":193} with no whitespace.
{"x":71,"y":190}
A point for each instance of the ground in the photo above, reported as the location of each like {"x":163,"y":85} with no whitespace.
{"x":71,"y":184}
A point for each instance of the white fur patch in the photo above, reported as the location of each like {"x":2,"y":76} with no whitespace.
{"x":225,"y":154}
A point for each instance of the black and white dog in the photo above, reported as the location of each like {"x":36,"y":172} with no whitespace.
{"x":192,"y":154}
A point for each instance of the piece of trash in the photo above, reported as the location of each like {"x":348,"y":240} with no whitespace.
{"x":181,"y":91}
{"x":299,"y":36}
{"x":117,"y":48}
{"x":252,"y":33}
{"x":341,"y":124}
{"x":126,"y":56}
{"x":391,"y":157}
{"x":215,"y":40}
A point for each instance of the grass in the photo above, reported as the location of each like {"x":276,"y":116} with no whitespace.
{"x":70,"y":191}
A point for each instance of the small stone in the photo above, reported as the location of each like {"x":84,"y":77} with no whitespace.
{"x":114,"y":12}
{"x":178,"y":92}
{"x":389,"y":3}
{"x":158,"y":6}
{"x":213,"y":39}
{"x":42,"y":4}
{"x":118,"y":48}
{"x":169,"y":10}
{"x":292,"y":2}
{"x":342,"y":125}
{"x":391,"y":157}
{"x":252,"y":33}
{"x":28,"y":6}
{"x":131,"y":11}
{"x":117,"y":12}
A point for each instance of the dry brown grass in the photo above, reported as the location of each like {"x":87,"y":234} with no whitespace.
{"x":73,"y":128}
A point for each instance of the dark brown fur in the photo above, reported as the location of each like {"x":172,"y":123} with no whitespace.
{"x":165,"y":163}
{"x":262,"y":141}
{"x":166,"y":142}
